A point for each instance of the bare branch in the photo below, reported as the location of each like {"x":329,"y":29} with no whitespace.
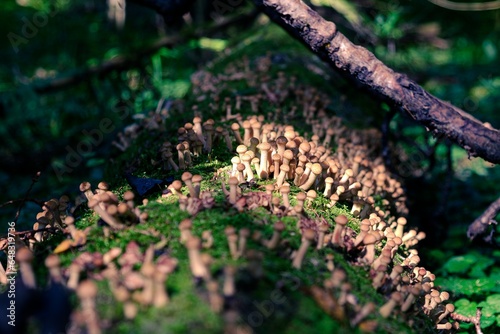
{"x":480,"y":225}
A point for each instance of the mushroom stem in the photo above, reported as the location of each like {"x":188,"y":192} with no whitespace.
{"x":24,"y":257}
{"x":87,"y":291}
{"x":307,"y":238}
{"x":386,"y":310}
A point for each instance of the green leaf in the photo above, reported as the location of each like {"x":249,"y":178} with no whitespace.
{"x":460,"y":264}
{"x":465,"y":307}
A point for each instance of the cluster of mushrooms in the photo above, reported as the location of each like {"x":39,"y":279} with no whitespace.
{"x":302,"y":177}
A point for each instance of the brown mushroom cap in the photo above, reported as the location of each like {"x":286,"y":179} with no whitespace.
{"x":341,"y":220}
{"x":128,"y":195}
{"x":279,"y":226}
{"x":301,"y":196}
{"x":186,"y":176}
{"x":233,"y":181}
{"x":52,"y":261}
{"x":86,"y":289}
{"x":309,"y":234}
{"x":369,"y":239}
{"x":288,"y":154}
{"x":84,"y":186}
{"x":316,"y":168}
{"x":24,"y":255}
{"x":103,"y":185}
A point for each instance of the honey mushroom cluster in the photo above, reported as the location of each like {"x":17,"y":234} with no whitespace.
{"x":294,"y":176}
{"x":315,"y":170}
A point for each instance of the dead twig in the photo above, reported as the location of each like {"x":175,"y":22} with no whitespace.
{"x":480,"y":225}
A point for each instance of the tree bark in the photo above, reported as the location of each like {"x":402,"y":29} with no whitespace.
{"x":360,"y":66}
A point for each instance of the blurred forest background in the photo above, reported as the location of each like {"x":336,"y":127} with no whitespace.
{"x":66,"y":65}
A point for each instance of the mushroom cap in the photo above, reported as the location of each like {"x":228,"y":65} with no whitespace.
{"x":229,"y":230}
{"x":235,"y":126}
{"x":369,"y":239}
{"x":23,"y":254}
{"x":133,"y":280}
{"x":240,"y":167}
{"x":281,"y":140}
{"x":86,"y":289}
{"x":309,"y":234}
{"x":84,"y":186}
{"x":197,"y":178}
{"x":285,"y":189}
{"x":279,"y":226}
{"x":288,"y":154}
{"x":305,"y":146}
{"x":341,"y":220}
{"x":103,"y":185}
{"x":186,"y":176}
{"x":185,"y":224}
{"x":197,"y":119}
{"x":240,"y":149}
{"x":349,"y":172}
{"x":450,"y":307}
{"x":233,"y":181}
{"x":329,"y":180}
{"x":265,"y":146}
{"x":52,"y":261}
{"x":312,"y":194}
{"x":148,"y":269}
{"x":128,"y":195}
{"x":301,"y":196}
{"x":269,"y":187}
{"x":122,"y":208}
{"x":276,"y":157}
{"x":254,"y":141}
{"x":401,"y":221}
{"x":316,"y":168}
{"x":246,"y":157}
{"x":69,"y":220}
{"x":285,"y":168}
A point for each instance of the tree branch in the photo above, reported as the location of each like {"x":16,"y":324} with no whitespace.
{"x":481,"y":223}
{"x":360,"y":66}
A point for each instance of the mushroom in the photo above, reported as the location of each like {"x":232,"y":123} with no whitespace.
{"x":24,"y":257}
{"x":235,"y":127}
{"x":196,"y":179}
{"x":284,"y":169}
{"x":301,"y":197}
{"x":232,"y":240}
{"x":233,"y":190}
{"x":386,"y":309}
{"x":198,"y":269}
{"x":278,"y":227}
{"x":338,"y":231}
{"x":87,"y":291}
{"x":448,"y":309}
{"x":244,"y":233}
{"x":285,"y":190}
{"x":187,"y":179}
{"x":307,"y":238}
{"x":214,"y":298}
{"x":52,"y":262}
{"x":228,"y":289}
{"x":148,"y":293}
{"x":264,"y":151}
{"x":316,"y":170}
{"x":400,"y":228}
